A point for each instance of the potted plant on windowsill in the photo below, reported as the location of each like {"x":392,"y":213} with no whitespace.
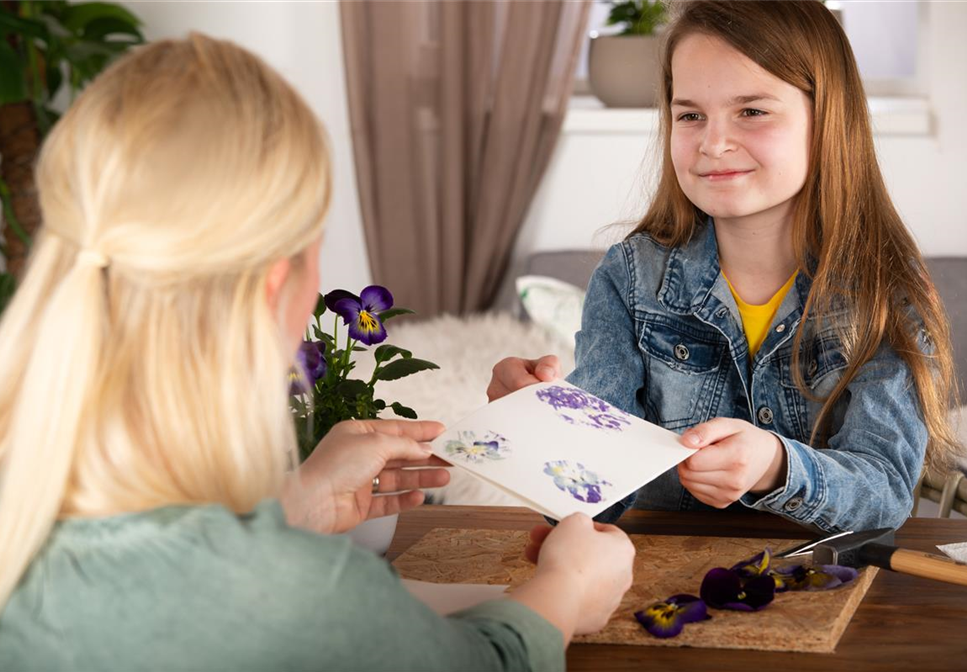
{"x":623,"y":67}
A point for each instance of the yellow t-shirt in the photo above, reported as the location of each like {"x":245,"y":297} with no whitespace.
{"x":756,"y":320}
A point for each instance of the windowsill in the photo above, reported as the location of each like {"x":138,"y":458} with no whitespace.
{"x":586,"y":115}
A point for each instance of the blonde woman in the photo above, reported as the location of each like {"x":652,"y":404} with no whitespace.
{"x":150,"y":515}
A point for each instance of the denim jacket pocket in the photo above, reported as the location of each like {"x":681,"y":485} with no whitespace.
{"x":824,"y":356}
{"x":822,"y":365}
{"x":672,"y":347}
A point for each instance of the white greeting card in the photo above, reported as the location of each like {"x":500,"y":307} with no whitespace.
{"x":559,"y":449}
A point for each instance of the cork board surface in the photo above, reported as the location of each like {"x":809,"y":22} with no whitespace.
{"x":665,"y":565}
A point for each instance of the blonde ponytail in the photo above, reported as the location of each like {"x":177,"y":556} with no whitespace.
{"x":142,"y":365}
{"x":47,"y":417}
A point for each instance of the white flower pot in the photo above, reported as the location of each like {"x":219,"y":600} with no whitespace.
{"x":375,"y":534}
{"x":623,"y":70}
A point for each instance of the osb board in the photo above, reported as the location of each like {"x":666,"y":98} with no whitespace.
{"x":664,"y":566}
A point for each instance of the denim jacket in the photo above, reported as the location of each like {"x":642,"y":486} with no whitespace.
{"x":661,"y":338}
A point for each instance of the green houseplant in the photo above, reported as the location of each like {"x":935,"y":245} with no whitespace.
{"x":45,"y":48}
{"x":623,"y":66}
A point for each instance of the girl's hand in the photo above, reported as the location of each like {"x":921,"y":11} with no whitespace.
{"x":735,"y":457}
{"x":333,"y":489}
{"x":513,"y":373}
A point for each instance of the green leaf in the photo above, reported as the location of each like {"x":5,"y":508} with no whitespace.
{"x":13,"y":88}
{"x":320,"y":306}
{"x":404,"y":367}
{"x":11,"y":24}
{"x":394,"y":312}
{"x":77,"y":17}
{"x":350,"y":389}
{"x":403,"y":411}
{"x":8,"y":285}
{"x":54,"y":79}
{"x":100,"y":28}
{"x":386,"y":352}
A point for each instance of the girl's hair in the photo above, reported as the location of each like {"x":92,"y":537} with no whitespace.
{"x":142,"y":363}
{"x":847,"y":235}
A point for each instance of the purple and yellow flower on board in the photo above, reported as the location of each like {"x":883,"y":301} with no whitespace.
{"x":668,"y":618}
{"x":468,"y":448}
{"x":578,"y":407}
{"x":820,"y":577}
{"x":310,"y":366}
{"x":361,"y":313}
{"x":582,"y":484}
{"x":725,"y":589}
{"x":757,"y":565}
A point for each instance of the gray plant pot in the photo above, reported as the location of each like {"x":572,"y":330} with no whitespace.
{"x":623,"y":69}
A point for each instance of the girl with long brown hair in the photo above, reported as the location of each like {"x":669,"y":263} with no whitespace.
{"x":770,"y":305}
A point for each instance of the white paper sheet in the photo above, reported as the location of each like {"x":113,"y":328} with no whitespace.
{"x":559,"y":449}
{"x":446,"y":598}
{"x":956,"y":551}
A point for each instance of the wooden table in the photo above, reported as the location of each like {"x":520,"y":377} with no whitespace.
{"x":904,"y":623}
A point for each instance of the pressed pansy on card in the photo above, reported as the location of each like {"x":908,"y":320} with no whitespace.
{"x":559,"y":449}
{"x":577,"y":407}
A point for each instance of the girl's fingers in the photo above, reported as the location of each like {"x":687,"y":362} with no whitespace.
{"x":547,"y":368}
{"x":709,"y":494}
{"x":720,"y":456}
{"x":711,"y":432}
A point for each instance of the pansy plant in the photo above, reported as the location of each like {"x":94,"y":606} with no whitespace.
{"x":322,"y":391}
{"x":749,"y":585}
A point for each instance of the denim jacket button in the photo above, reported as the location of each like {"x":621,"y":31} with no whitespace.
{"x":681,"y":352}
{"x":781,"y":328}
{"x":766,"y":415}
{"x":721,"y":312}
{"x":793,"y":504}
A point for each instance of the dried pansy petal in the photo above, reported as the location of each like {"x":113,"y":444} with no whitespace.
{"x":725,"y":589}
{"x":668,"y":618}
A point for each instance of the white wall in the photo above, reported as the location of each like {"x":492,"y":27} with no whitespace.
{"x":595,"y":178}
{"x":302,"y":41}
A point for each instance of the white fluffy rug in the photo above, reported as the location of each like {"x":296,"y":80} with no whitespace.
{"x":466,"y":350}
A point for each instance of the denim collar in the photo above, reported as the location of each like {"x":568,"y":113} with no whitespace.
{"x":693,"y":282}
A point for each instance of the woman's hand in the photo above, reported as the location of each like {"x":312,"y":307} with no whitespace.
{"x":583,"y":570}
{"x":333,"y":489}
{"x":513,"y":373}
{"x":734,"y":457}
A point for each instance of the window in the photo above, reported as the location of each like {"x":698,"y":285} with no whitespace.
{"x":885,"y":37}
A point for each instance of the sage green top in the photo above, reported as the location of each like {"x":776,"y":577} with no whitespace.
{"x":200,"y":588}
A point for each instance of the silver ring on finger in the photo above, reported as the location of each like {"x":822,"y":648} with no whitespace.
{"x":375,"y":484}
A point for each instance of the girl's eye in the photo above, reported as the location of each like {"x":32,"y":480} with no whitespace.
{"x":690,"y":116}
{"x":751,"y":112}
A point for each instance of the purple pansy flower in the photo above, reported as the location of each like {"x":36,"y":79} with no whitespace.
{"x":725,"y":589}
{"x":757,"y":565}
{"x":822,"y":577}
{"x":668,"y":618}
{"x":361,"y":313}
{"x":310,"y":366}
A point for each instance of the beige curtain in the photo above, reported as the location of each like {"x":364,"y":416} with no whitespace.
{"x":455,"y":107}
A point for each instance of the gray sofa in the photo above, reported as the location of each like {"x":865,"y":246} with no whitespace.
{"x":949,"y":274}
